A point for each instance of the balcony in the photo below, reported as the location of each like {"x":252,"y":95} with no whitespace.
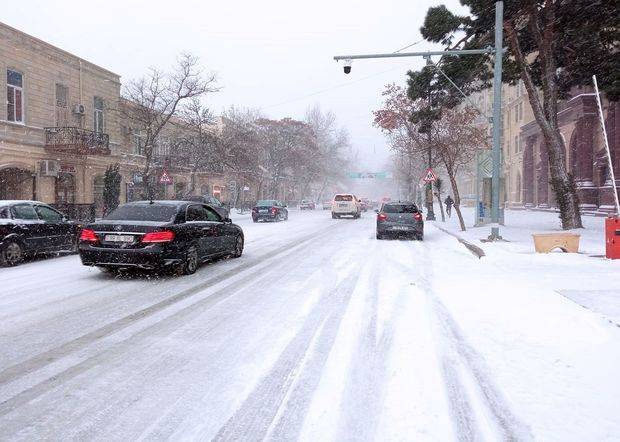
{"x":76,"y":141}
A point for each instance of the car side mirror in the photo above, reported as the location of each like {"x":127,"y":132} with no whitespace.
{"x":227,"y":220}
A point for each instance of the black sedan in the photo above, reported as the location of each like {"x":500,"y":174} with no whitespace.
{"x":400,"y":219}
{"x":30,"y":227}
{"x":175,"y":235}
{"x":269,"y":210}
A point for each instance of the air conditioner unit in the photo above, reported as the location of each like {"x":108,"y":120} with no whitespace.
{"x":79,"y":109}
{"x":49,"y":168}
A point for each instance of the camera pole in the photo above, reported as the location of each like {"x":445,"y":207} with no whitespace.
{"x":496,"y":120}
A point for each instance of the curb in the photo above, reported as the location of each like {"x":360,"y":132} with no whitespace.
{"x":475,"y":250}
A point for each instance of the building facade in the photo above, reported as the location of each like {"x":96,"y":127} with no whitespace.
{"x":61,"y":128}
{"x":525,"y":165}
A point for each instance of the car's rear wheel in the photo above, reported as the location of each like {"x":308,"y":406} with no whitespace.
{"x":190,"y":264}
{"x":11,"y":254}
{"x":379,"y":236}
{"x":238,"y":247}
{"x":334,"y":216}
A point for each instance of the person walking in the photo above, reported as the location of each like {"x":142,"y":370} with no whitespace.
{"x":449,"y":202}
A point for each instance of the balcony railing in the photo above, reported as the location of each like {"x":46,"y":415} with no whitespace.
{"x":76,"y":141}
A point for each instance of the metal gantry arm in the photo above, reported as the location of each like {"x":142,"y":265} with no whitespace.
{"x":497,"y":50}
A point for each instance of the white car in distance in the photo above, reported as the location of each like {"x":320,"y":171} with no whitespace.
{"x":346,"y":204}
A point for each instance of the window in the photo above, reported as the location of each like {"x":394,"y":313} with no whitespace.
{"x":14,"y":96}
{"x":48,"y":214}
{"x":61,"y":95}
{"x":138,"y":145}
{"x":196,"y":213}
{"x":99,"y":122}
{"x":212,"y":215}
{"x":24,"y":211}
{"x":144,"y":212}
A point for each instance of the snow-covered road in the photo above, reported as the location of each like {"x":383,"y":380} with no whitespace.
{"x":319,"y":332}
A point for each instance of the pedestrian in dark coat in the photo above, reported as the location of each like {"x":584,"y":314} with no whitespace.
{"x":449,"y":202}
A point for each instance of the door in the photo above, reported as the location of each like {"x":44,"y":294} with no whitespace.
{"x":196,"y":220}
{"x":59,"y":231}
{"x":30,"y":228}
{"x":221,"y":236}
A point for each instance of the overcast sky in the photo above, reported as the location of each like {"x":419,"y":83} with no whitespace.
{"x":272,"y":54}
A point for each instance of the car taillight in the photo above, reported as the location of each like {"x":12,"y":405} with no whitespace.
{"x":381,"y":217}
{"x":162,"y":236}
{"x":417,"y":216}
{"x":274,"y":210}
{"x":88,"y":235}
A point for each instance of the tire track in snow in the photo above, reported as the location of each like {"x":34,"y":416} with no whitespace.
{"x":231,"y":289}
{"x":365,"y":388}
{"x":510,"y":426}
{"x":41,"y":360}
{"x":295,"y":374}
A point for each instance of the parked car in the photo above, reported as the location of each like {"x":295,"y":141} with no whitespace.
{"x":346,"y":204}
{"x":269,"y":210}
{"x":327,"y":205}
{"x":400,"y":219}
{"x":175,"y":235}
{"x":212,"y":201}
{"x":30,"y":227}
{"x":307,"y":205}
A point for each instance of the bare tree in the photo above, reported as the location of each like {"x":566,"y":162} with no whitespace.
{"x":195,"y":140}
{"x":151,"y":101}
{"x":332,"y":142}
{"x":456,"y":138}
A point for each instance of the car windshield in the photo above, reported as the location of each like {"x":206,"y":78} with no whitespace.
{"x":144,"y":212}
{"x":400,"y":208}
{"x":343,"y":198}
{"x":266,"y":203}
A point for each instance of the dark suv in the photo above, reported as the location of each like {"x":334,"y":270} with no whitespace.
{"x":400,"y":218}
{"x":30,"y":228}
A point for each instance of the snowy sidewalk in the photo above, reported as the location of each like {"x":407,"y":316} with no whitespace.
{"x":585,"y":278}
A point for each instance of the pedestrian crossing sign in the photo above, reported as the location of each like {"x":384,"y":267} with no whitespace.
{"x":430,"y":176}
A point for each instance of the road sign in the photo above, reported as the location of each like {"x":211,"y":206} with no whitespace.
{"x":430,"y":176}
{"x":164,"y":178}
{"x":370,"y":175}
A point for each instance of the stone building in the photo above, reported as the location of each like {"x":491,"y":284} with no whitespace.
{"x":525,"y":166}
{"x":585,"y":154}
{"x":60,"y":129}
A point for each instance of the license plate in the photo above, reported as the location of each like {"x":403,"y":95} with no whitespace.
{"x":263,"y":211}
{"x":400,"y":228}
{"x":342,"y":205}
{"x":119,"y":238}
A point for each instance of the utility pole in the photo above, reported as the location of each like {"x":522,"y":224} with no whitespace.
{"x":430,"y":214}
{"x":497,"y":121}
{"x":498,"y":52}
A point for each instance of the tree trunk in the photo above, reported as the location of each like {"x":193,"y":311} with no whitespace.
{"x":545,"y":114}
{"x":457,"y":198}
{"x":443,"y":216}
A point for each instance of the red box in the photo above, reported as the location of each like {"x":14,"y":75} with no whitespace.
{"x":612,"y":237}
